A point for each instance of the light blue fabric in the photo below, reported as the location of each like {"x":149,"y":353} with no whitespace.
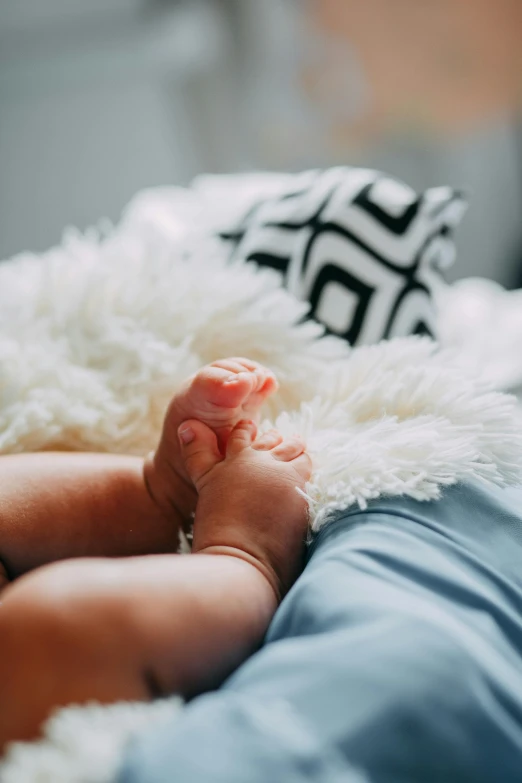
{"x":396,"y":657}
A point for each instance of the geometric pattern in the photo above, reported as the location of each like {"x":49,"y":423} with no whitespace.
{"x":362,"y":248}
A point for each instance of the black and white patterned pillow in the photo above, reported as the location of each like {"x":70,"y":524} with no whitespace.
{"x":364,"y":249}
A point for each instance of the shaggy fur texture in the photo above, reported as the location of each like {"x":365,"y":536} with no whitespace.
{"x":96,"y":336}
{"x":83,"y":744}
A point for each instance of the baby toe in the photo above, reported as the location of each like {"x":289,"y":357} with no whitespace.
{"x":289,"y":449}
{"x":241,"y":436}
{"x":223,"y":387}
{"x":199,"y":449}
{"x":268,"y":440}
{"x":268,"y":384}
{"x":266,"y":381}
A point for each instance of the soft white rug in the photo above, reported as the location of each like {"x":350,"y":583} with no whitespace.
{"x":95,"y":337}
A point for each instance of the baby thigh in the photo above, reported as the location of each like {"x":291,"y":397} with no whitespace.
{"x":68,"y":634}
{"x":123,"y":629}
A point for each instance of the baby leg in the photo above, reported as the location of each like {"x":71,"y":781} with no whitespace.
{"x":90,"y":505}
{"x":137,"y":628}
{"x":130,"y":629}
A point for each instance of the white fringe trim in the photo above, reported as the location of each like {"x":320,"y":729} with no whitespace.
{"x":83,"y":744}
{"x":401,"y":418}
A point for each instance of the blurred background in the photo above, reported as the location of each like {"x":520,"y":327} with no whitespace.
{"x":100,"y":98}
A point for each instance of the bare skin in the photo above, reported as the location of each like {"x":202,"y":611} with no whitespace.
{"x":220,"y":395}
{"x":135,"y":628}
{"x":98,"y":505}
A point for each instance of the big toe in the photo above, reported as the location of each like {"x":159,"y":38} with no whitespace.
{"x":222,"y":386}
{"x":199,"y":449}
{"x":231,"y":383}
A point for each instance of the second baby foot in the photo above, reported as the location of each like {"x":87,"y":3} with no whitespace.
{"x":219,"y":395}
{"x":249,"y":505}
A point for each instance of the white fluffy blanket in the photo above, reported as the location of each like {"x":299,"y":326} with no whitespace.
{"x":96,"y":335}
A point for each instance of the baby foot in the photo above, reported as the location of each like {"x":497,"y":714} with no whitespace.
{"x":220,"y":395}
{"x":248,"y":504}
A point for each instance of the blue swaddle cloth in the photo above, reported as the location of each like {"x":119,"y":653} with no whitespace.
{"x":396,"y":657}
